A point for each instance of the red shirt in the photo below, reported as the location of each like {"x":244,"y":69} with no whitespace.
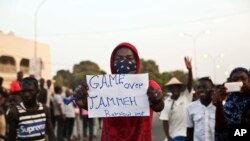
{"x":127,"y":128}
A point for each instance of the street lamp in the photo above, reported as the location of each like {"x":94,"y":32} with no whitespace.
{"x":214,"y":60}
{"x":194,"y":40}
{"x":35,"y":63}
{"x":35,"y":27}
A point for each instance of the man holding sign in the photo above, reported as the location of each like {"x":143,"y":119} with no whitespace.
{"x":124,"y":126}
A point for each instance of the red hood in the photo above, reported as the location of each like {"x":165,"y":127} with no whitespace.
{"x":128,"y":45}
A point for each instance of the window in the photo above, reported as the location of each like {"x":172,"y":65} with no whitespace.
{"x":7,"y":64}
{"x":24,"y":65}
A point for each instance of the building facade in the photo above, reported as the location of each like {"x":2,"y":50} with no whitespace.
{"x":16,"y":54}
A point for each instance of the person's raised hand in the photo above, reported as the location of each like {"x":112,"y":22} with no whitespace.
{"x":188,"y":62}
{"x":219,"y":94}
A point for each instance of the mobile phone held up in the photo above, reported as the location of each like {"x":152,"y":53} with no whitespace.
{"x":233,"y":86}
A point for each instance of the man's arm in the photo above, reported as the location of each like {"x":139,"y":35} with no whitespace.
{"x":12,"y":119}
{"x":157,"y":106}
{"x":166,"y":129}
{"x":2,"y":124}
{"x":220,"y":121}
{"x":219,"y":117}
{"x":190,"y":74}
{"x":59,"y":105}
{"x":190,"y":134}
{"x":49,"y":128}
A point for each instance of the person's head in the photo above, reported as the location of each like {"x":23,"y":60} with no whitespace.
{"x":1,"y":81}
{"x":68,"y":92}
{"x":205,"y":88}
{"x":29,"y":90}
{"x":19,"y":75}
{"x":239,"y":74}
{"x":42,"y":81}
{"x":175,"y":87}
{"x":125,"y":59}
{"x":48,"y":83}
{"x":58,"y":89}
{"x":32,"y":75}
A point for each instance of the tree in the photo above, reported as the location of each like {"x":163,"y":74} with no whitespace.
{"x":86,"y":67}
{"x":82,"y":69}
{"x":63,"y":78}
{"x":68,"y":79}
{"x":149,"y":66}
{"x":71,"y":80}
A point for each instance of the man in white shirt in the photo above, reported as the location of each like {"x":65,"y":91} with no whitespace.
{"x":70,"y":116}
{"x":49,"y":92}
{"x":59,"y":112}
{"x":201,"y":113}
{"x":174,"y":112}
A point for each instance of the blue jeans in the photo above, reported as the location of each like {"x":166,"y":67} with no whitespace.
{"x":179,"y":138}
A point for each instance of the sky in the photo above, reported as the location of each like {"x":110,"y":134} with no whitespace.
{"x":78,"y":30}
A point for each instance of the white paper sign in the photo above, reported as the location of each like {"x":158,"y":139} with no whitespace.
{"x":115,"y":95}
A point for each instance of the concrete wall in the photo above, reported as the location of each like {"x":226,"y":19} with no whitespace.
{"x":20,"y":48}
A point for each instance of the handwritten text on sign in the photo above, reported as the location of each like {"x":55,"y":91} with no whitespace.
{"x":114,"y":95}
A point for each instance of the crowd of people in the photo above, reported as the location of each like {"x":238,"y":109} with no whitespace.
{"x":210,"y":112}
{"x":32,"y":110}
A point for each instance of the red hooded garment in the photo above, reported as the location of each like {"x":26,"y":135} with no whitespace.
{"x":128,"y":128}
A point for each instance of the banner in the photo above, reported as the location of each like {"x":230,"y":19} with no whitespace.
{"x":115,"y":95}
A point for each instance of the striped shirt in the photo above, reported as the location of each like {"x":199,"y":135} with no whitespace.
{"x":31,"y":125}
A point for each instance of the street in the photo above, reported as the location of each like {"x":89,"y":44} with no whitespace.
{"x":157,"y":128}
